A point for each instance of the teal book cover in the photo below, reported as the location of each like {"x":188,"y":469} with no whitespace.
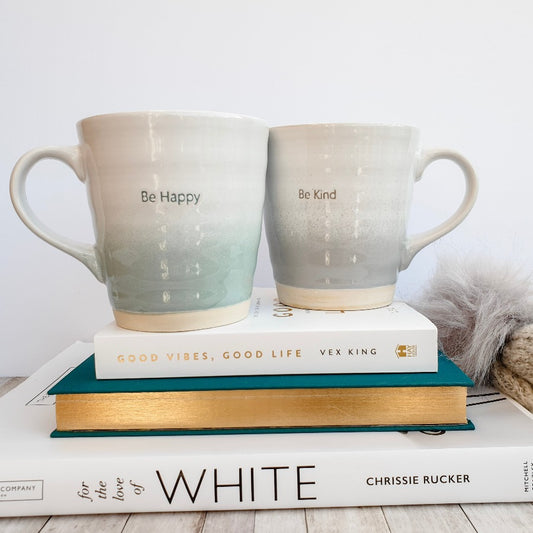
{"x":82,"y":380}
{"x":437,"y":428}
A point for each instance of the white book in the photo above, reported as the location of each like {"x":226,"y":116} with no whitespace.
{"x":40,"y":475}
{"x":276,"y":339}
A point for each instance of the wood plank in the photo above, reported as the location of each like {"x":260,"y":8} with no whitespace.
{"x":6,"y":384}
{"x":229,"y":521}
{"x":346,"y":520}
{"x":27,"y":524}
{"x":292,"y":520}
{"x":504,"y":517}
{"x":414,"y":518}
{"x":108,"y":523}
{"x":176,"y":522}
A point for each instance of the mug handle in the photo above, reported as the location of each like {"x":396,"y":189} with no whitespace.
{"x":71,"y":156}
{"x":416,"y":242}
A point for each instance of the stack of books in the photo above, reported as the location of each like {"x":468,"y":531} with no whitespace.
{"x":370,"y":386}
{"x":279,"y":370}
{"x":44,"y":476}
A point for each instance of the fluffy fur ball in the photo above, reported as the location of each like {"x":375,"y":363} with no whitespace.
{"x":476,"y":305}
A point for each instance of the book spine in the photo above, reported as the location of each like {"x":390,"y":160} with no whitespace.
{"x":314,"y":352}
{"x":264,"y":481}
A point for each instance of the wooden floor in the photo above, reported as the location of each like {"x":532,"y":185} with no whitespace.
{"x":483,"y":518}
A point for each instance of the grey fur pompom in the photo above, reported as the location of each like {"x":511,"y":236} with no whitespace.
{"x":476,"y":305}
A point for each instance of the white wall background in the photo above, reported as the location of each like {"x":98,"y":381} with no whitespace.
{"x":461,"y":70}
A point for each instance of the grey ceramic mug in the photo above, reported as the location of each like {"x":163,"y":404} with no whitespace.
{"x":176,"y":201}
{"x":336,"y":210}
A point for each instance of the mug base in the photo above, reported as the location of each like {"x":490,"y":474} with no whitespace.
{"x":336,"y":299}
{"x":185,"y":321}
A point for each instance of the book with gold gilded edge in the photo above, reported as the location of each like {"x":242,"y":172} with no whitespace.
{"x":276,"y":339}
{"x":44,"y":476}
{"x":86,"y":406}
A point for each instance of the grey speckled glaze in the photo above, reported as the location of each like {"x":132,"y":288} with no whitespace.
{"x":337,"y":203}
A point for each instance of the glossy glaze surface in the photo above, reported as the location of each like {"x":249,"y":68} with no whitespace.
{"x":177,"y":203}
{"x":337,"y":204}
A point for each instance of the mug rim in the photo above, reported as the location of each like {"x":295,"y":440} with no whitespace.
{"x":167,"y":112}
{"x":366,"y":125}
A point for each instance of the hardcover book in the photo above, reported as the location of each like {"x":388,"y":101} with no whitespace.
{"x":44,"y":476}
{"x":306,"y":401}
{"x":276,"y":339}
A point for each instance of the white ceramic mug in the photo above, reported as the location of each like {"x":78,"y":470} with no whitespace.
{"x":336,"y":211}
{"x":176,"y":200}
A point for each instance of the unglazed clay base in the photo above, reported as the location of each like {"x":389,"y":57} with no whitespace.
{"x":185,"y":321}
{"x":336,"y":299}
